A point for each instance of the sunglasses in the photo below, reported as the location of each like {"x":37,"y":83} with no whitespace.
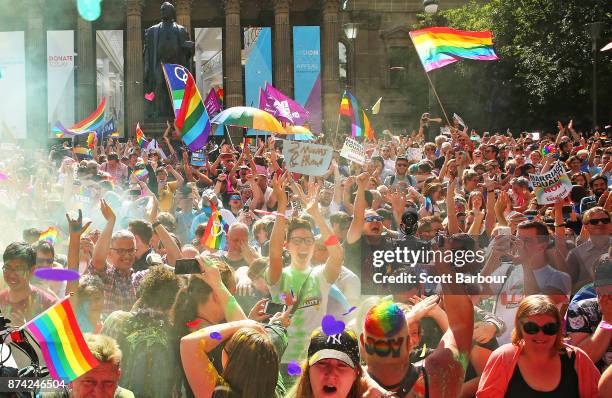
{"x":550,"y":329}
{"x":235,"y":197}
{"x":596,"y":221}
{"x":373,"y":218}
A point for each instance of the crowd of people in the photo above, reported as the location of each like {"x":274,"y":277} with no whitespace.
{"x":284,"y":296}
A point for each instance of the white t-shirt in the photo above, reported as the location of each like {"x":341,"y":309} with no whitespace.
{"x":313,"y":306}
{"x":513,"y":291}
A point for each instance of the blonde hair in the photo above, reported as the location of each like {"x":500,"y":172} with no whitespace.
{"x":103,"y":348}
{"x":537,"y":304}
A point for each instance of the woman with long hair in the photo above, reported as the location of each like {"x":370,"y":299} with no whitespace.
{"x":537,"y":361}
{"x":249,"y":359}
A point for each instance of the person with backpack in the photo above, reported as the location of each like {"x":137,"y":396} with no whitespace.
{"x":401,"y":179}
{"x":145,"y":335}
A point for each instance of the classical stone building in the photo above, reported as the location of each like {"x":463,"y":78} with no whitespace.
{"x":107,"y":58}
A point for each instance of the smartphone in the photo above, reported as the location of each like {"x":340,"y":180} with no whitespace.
{"x":186,"y":266}
{"x":272,"y":308}
{"x":567,"y":212}
{"x":504,"y":230}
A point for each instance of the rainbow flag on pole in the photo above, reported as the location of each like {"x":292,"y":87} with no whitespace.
{"x":140,"y":138}
{"x":192,"y":119}
{"x":214,"y":236}
{"x":49,"y":235}
{"x":61,"y":342}
{"x":440,"y":46}
{"x":91,"y":123}
{"x":360,"y":124}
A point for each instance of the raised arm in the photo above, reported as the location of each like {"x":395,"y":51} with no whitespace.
{"x":76,"y":230}
{"x":102,"y":246}
{"x":451,"y":213}
{"x":277,"y":238}
{"x":356,"y":228}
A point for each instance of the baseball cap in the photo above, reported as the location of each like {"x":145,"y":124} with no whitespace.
{"x":342,"y":346}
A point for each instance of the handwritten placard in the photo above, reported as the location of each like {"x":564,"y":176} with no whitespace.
{"x":353,"y":151}
{"x":306,"y":158}
{"x":551,"y":186}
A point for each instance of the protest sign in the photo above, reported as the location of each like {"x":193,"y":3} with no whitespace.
{"x":459,"y":120}
{"x":304,"y":158}
{"x":414,"y":154}
{"x":353,"y":151}
{"x":552,"y":185}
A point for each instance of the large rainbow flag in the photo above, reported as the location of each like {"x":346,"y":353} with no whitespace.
{"x":192,"y":119}
{"x":440,"y":46}
{"x":360,"y":124}
{"x":214,"y":236}
{"x":92,"y":123}
{"x":61,"y":342}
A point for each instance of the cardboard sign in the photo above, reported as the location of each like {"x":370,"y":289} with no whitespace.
{"x":552,"y":185}
{"x":305,"y":158}
{"x":414,"y":154}
{"x":353,"y":151}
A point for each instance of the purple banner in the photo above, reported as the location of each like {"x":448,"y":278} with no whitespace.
{"x":285,"y":109}
{"x":212,"y":103}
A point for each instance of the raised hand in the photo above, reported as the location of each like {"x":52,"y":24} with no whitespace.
{"x":75,"y":226}
{"x":278,"y":188}
{"x":107,"y":211}
{"x":362,"y":180}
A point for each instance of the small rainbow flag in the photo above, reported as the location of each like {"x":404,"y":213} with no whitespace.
{"x":440,"y":46}
{"x":91,"y":140}
{"x":220,"y":93}
{"x":360,"y":124}
{"x":78,"y":150}
{"x":214,"y":236}
{"x":49,"y":235}
{"x":141,"y":174}
{"x":140,"y":138}
{"x":91,"y":123}
{"x":61,"y":342}
{"x":192,"y":118}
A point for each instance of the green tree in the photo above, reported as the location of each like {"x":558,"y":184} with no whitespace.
{"x":545,"y":69}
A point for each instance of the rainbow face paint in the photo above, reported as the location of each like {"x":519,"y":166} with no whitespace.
{"x":384,"y":320}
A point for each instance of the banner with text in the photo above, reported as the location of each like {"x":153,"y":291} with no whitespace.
{"x":305,"y":158}
{"x":307,"y":73}
{"x":552,"y":185}
{"x":60,"y":76}
{"x":353,"y":151}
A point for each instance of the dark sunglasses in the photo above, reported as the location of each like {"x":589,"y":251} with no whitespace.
{"x":374,"y":218}
{"x":550,"y":329}
{"x":596,"y":221}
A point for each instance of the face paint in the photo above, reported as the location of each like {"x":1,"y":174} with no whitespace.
{"x":383,"y":348}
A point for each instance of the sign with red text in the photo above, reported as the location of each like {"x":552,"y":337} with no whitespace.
{"x":551,"y":186}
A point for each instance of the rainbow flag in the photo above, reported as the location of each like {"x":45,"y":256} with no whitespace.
{"x":91,"y":123}
{"x":220,"y":94}
{"x":192,"y":118}
{"x":141,"y":174}
{"x":49,"y":235}
{"x":61,"y":342}
{"x":91,"y":140}
{"x":214,"y":236}
{"x":81,"y":151}
{"x":360,"y":124}
{"x":140,"y":138}
{"x":440,"y":46}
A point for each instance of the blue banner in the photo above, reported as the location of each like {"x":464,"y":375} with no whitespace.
{"x":307,"y":72}
{"x":258,"y":68}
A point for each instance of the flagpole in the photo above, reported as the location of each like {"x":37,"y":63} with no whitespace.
{"x":437,"y":97}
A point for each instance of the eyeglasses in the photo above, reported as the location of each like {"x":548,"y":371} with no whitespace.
{"x":596,"y":221}
{"x":121,"y":252}
{"x":550,"y":329}
{"x":235,"y":197}
{"x":302,"y":241}
{"x":374,"y":218}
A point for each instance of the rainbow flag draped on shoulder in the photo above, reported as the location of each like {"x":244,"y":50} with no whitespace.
{"x":191,"y":117}
{"x":92,"y":123}
{"x":440,"y":46}
{"x":360,"y":124}
{"x":61,"y":342}
{"x":215,"y":234}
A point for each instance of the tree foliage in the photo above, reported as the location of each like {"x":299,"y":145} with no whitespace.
{"x":545,"y":69}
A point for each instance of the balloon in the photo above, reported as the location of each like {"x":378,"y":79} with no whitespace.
{"x":89,"y":9}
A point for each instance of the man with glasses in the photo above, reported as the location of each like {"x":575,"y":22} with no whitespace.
{"x":112,"y":260}
{"x":401,"y":179}
{"x":20,"y":301}
{"x":581,"y":259}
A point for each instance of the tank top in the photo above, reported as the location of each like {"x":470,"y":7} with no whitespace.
{"x":567,"y":387}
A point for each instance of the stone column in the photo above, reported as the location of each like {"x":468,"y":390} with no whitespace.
{"x":134,"y":68}
{"x":85,"y":70}
{"x":183,"y":14}
{"x":330,"y":74}
{"x":36,"y":76}
{"x":283,"y":65}
{"x":232,"y":46}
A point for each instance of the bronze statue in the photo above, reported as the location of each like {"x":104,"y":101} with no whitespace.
{"x":168,"y":43}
